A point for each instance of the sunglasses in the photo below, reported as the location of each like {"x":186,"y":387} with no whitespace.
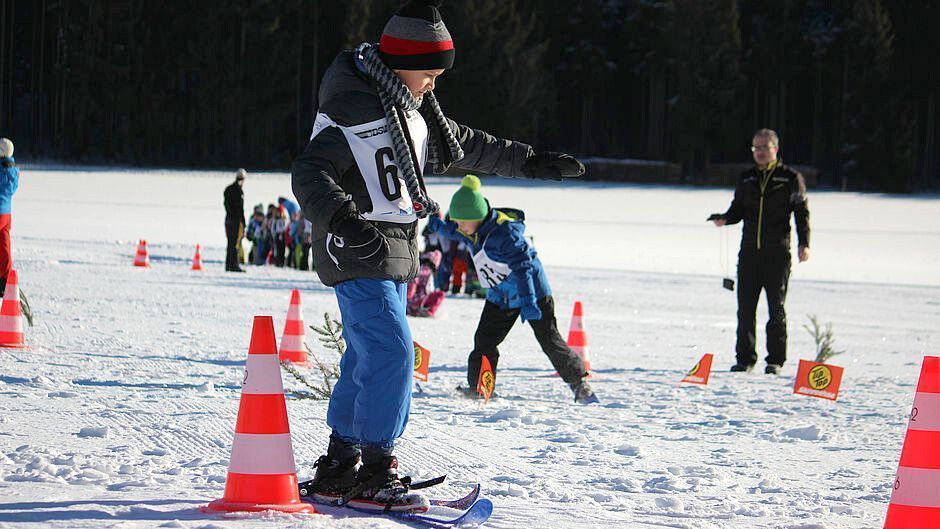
{"x":762,"y":148}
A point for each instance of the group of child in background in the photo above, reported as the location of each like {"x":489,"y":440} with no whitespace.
{"x":280,"y":237}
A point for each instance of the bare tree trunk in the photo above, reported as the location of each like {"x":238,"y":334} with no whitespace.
{"x":3,"y":47}
{"x":41,"y":100}
{"x":841,"y":135}
{"x":298,"y":77}
{"x":315,"y":84}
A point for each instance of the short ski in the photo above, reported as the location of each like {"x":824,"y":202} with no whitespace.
{"x":462,"y":503}
{"x":477,"y":514}
{"x":459,"y":504}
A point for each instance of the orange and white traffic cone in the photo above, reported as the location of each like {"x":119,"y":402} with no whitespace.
{"x":577,"y":338}
{"x":292,"y":341}
{"x":915,"y":502}
{"x":11,"y":315}
{"x":261,"y":472}
{"x":141,"y":259}
{"x":197,"y":260}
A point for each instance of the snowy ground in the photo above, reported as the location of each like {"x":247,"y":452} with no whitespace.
{"x":121,"y":414}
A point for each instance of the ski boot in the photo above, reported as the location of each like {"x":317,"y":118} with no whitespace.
{"x":333,"y":479}
{"x":740,"y":368}
{"x":380,"y":489}
{"x":583,"y":394}
{"x":773,"y":369}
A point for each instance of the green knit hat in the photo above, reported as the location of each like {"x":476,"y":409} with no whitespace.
{"x":468,"y":203}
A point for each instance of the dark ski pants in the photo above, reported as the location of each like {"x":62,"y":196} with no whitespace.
{"x":232,"y":232}
{"x":768,"y":270}
{"x":495,"y":324}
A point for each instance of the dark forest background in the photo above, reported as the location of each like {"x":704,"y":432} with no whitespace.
{"x":849,"y":85}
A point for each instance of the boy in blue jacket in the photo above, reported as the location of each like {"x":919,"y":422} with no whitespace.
{"x":510,"y":268}
{"x":9,"y":182}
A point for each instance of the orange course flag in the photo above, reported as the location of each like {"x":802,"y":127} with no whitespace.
{"x":699,"y":374}
{"x":915,"y":500}
{"x":422,"y":362}
{"x":814,"y":379}
{"x":487,"y":381}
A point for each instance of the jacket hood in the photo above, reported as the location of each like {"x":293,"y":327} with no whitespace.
{"x":344,"y":76}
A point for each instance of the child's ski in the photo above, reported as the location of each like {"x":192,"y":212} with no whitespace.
{"x":462,"y":503}
{"x":477,"y":514}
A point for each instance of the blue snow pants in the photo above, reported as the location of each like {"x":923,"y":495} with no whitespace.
{"x":372,"y":398}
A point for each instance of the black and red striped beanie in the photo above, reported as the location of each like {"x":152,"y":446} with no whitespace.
{"x":416,"y":38}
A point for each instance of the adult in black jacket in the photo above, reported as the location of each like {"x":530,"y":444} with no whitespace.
{"x":359,"y":182}
{"x":764,"y":198}
{"x":234,"y":220}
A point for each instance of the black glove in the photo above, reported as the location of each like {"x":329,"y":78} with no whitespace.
{"x":357,"y":240}
{"x":552,"y":166}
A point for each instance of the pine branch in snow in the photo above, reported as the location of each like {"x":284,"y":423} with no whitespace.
{"x":331,"y":336}
{"x":823,"y":338}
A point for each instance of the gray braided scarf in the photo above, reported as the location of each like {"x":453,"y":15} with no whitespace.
{"x":393,"y":93}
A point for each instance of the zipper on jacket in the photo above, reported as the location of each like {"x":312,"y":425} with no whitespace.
{"x":760,"y":210}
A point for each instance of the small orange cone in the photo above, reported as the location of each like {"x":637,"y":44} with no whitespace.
{"x":11,"y":315}
{"x":141,"y":259}
{"x":577,"y":338}
{"x":261,"y":472}
{"x":292,"y":340}
{"x":915,"y":502}
{"x":197,"y":260}
{"x":422,"y":362}
{"x":699,"y":374}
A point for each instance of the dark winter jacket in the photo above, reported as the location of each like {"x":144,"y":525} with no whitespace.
{"x":234,"y":204}
{"x":9,"y":182}
{"x":764,"y":199}
{"x":329,"y":186}
{"x":502,"y":237}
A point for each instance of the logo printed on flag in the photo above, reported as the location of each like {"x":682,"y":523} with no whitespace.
{"x":487,"y":381}
{"x":700,"y":372}
{"x":422,"y":362}
{"x":814,"y":379}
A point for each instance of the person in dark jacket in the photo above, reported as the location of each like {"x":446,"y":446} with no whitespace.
{"x":360,"y":183}
{"x":9,"y":182}
{"x":509,"y":267}
{"x":234,"y":220}
{"x":764,"y":198}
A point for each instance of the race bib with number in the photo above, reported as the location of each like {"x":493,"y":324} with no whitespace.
{"x":371,"y":146}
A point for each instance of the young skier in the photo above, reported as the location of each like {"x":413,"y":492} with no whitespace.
{"x":422,"y":303}
{"x":9,"y":182}
{"x":359,"y":181}
{"x":518,"y":287}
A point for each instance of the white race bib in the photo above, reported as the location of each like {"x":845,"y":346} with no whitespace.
{"x":489,"y":272}
{"x":371,"y":146}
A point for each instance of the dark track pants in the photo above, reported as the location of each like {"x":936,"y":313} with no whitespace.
{"x":768,"y":270}
{"x":495,"y":324}
{"x":232,"y":231}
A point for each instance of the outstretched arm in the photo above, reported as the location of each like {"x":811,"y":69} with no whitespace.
{"x":487,"y":154}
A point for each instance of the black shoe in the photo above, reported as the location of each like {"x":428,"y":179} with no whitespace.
{"x":333,"y":480}
{"x":583,"y":394}
{"x":741,"y":368}
{"x":380,"y":489}
{"x":772,"y":369}
{"x":236,"y":269}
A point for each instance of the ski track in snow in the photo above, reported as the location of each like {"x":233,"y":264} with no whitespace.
{"x":122,"y":412}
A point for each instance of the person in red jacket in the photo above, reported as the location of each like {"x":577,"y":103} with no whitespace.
{"x":9,"y":182}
